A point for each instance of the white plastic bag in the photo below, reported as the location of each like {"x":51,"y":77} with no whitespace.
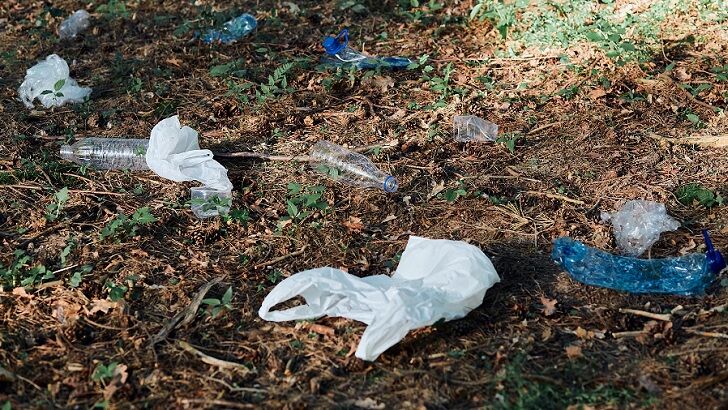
{"x":638,"y":225}
{"x":435,"y":279}
{"x":174,"y":153}
{"x":41,"y":82}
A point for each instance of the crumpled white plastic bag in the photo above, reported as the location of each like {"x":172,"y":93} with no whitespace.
{"x":174,"y":153}
{"x":435,"y":279}
{"x":638,"y":225}
{"x":40,"y":82}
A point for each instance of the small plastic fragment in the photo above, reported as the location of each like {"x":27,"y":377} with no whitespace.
{"x":638,"y":225}
{"x":232,"y":30}
{"x":49,"y":82}
{"x":469,"y":128}
{"x":685,"y":275}
{"x":74,"y":24}
{"x":206,"y":202}
{"x":348,"y":167}
{"x":338,"y":53}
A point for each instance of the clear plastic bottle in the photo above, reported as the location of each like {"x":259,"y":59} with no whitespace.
{"x":74,"y":24}
{"x":351,"y":168}
{"x":108,"y":153}
{"x":232,"y":30}
{"x":469,"y":128}
{"x":685,"y":275}
{"x":338,"y":52}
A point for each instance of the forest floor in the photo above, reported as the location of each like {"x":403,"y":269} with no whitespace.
{"x":597,"y":103}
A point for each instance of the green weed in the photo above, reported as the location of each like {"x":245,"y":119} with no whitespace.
{"x":19,"y":272}
{"x":53,"y":210}
{"x":127,"y":226}
{"x":692,"y":193}
{"x":216,"y":306}
{"x":303,"y":201}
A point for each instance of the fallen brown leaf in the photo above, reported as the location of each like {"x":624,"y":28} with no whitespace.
{"x":573,"y":351}
{"x":597,"y":93}
{"x":549,"y":305}
{"x":102,"y":305}
{"x":353,"y":224}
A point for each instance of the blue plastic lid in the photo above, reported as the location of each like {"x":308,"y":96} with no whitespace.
{"x":334,"y":45}
{"x":713,"y":257}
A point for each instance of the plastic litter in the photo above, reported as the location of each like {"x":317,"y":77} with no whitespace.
{"x":469,"y":128}
{"x":685,"y":275}
{"x":108,"y":153}
{"x":348,"y":167}
{"x":49,"y":82}
{"x":74,"y":24}
{"x":339,"y":53}
{"x":435,"y":279}
{"x":232,"y":30}
{"x":172,"y":152}
{"x":638,"y":225}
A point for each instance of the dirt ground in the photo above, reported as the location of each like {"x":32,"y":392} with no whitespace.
{"x":581,"y":133}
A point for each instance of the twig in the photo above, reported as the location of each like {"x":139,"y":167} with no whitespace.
{"x":634,"y":333}
{"x":281,"y":258}
{"x":556,"y":196}
{"x":543,"y":127}
{"x":220,"y":403}
{"x":708,"y":334}
{"x":212,"y":360}
{"x":706,"y":140}
{"x":657,"y":316}
{"x":296,"y":158}
{"x":185,"y":315}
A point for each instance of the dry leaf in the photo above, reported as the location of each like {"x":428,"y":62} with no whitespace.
{"x":369,"y":403}
{"x":174,"y":61}
{"x":383,"y":83}
{"x":597,"y":93}
{"x":20,"y":291}
{"x":118,"y":380}
{"x":102,"y":305}
{"x":321,"y":329}
{"x":681,"y":74}
{"x":353,"y":224}
{"x":549,"y":305}
{"x":573,"y":351}
{"x":581,"y":333}
{"x":436,"y":189}
{"x":546,"y":335}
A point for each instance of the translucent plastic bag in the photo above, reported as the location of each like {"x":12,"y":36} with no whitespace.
{"x":638,"y":225}
{"x":49,"y":82}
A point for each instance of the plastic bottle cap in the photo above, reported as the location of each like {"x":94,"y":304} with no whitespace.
{"x":713,"y":257}
{"x":333,"y":45}
{"x":390,"y":184}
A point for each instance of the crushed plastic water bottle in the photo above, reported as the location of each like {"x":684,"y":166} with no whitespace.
{"x":351,"y":168}
{"x":339,"y":53}
{"x":685,"y":275}
{"x":469,"y":128}
{"x":108,"y":153}
{"x":74,"y":24}
{"x":638,"y":225}
{"x":232,"y":30}
{"x":49,"y":82}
